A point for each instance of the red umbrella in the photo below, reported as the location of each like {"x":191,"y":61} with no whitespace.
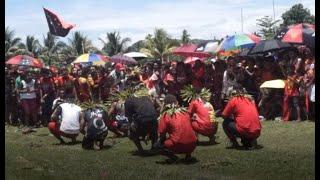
{"x":188,"y":50}
{"x":25,"y":60}
{"x":299,"y":33}
{"x":191,"y":60}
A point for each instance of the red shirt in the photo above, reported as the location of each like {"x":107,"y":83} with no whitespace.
{"x":246,"y":116}
{"x":67,"y":83}
{"x":47,"y":85}
{"x":179,"y":128}
{"x":203,"y":124}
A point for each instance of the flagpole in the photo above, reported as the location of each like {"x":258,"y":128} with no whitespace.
{"x":274,"y":16}
{"x":241,"y":21}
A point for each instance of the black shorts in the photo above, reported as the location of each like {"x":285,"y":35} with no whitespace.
{"x":88,"y":141}
{"x":145,"y":127}
{"x":294,"y":101}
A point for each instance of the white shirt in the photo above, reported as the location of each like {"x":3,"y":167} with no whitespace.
{"x":30,"y":85}
{"x":312,"y":94}
{"x":70,"y":115}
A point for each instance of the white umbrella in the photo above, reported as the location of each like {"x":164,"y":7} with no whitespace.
{"x":135,"y":55}
{"x":277,"y":84}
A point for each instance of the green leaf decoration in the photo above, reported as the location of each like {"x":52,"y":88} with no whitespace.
{"x":171,"y":109}
{"x":189,"y":92}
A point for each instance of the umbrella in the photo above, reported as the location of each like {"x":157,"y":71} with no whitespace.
{"x":25,"y":60}
{"x":276,"y":84}
{"x":238,"y":42}
{"x":299,"y":33}
{"x":123,"y":59}
{"x":191,"y":60}
{"x":209,"y":46}
{"x":135,"y":55}
{"x":268,"y":45}
{"x":95,"y":59}
{"x":188,"y":50}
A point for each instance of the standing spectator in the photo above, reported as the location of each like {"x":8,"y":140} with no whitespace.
{"x":291,"y":97}
{"x":118,"y":76}
{"x":82,"y":87}
{"x":27,"y":91}
{"x":94,"y":82}
{"x":66,"y":83}
{"x":47,"y":95}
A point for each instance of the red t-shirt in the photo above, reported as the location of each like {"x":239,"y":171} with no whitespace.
{"x":47,"y":85}
{"x":246,"y":116}
{"x":202,"y":123}
{"x":67,"y":83}
{"x":178,"y":126}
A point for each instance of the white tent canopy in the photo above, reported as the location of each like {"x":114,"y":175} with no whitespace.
{"x":135,"y":55}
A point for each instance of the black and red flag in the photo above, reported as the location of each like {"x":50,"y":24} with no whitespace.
{"x":56,"y":25}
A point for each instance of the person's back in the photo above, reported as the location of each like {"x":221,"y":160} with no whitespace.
{"x":179,"y":128}
{"x":140,"y":107}
{"x":70,"y":115}
{"x":197,"y":106}
{"x":95,"y":119}
{"x":245,"y":114}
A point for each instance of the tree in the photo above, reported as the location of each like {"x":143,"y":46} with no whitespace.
{"x":185,"y":38}
{"x":32,"y":46}
{"x":267,"y":27}
{"x":297,"y":14}
{"x":159,"y":45}
{"x":80,"y":44}
{"x":13,"y":45}
{"x":51,"y":48}
{"x":136,"y":46}
{"x":114,"y":44}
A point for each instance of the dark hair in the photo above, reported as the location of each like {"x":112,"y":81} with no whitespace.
{"x":170,"y":99}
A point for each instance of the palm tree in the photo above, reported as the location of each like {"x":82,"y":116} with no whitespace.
{"x":51,"y":49}
{"x":160,"y":46}
{"x":114,"y":44}
{"x":80,"y":44}
{"x":185,"y":38}
{"x":13,"y":45}
{"x":32,"y":46}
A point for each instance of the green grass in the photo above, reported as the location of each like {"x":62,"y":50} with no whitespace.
{"x":288,"y":153}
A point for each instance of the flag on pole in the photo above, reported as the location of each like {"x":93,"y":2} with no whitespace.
{"x":56,"y":25}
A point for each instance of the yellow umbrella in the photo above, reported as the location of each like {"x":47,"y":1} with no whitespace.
{"x":277,"y":84}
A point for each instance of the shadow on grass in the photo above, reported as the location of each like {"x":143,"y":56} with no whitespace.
{"x":145,"y":153}
{"x":207,"y":143}
{"x":67,"y":144}
{"x":179,"y":161}
{"x":242,"y":148}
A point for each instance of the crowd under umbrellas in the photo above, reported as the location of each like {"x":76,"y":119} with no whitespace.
{"x":121,"y":95}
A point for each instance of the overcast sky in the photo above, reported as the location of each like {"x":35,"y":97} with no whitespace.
{"x":203,"y":19}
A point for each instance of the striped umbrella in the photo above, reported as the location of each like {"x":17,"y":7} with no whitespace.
{"x":236,"y":42}
{"x":91,"y":58}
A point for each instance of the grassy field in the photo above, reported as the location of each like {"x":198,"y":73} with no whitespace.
{"x":288,"y":153}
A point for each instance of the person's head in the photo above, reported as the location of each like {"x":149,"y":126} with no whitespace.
{"x":198,"y":64}
{"x":64,"y":72}
{"x":45,"y":73}
{"x":79,"y":72}
{"x":119,"y":67}
{"x":170,"y":99}
{"x":155,"y":66}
